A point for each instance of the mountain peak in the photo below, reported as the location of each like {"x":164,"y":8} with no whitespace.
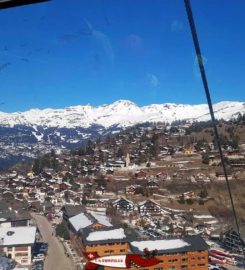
{"x":124,"y":102}
{"x":121,"y":113}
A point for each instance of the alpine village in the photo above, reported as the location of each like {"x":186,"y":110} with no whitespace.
{"x":149,"y":197}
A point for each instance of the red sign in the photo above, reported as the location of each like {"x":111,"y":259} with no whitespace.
{"x":119,"y":261}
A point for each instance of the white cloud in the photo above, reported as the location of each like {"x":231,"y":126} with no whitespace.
{"x":153,"y":80}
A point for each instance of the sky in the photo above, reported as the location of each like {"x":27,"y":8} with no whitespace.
{"x":65,"y":53}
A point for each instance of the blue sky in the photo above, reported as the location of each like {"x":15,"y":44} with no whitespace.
{"x":64,"y":53}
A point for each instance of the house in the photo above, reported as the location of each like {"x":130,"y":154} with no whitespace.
{"x":13,"y":216}
{"x":214,"y":160}
{"x":130,"y":189}
{"x":152,"y":184}
{"x":123,"y":205}
{"x":85,"y":220}
{"x":140,"y":174}
{"x":17,"y":243}
{"x":233,"y":241}
{"x":87,"y":189}
{"x":99,"y":190}
{"x":71,"y":211}
{"x":188,"y":150}
{"x":221,"y":176}
{"x":149,"y":207}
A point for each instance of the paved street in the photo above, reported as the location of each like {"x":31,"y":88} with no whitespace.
{"x":56,"y":258}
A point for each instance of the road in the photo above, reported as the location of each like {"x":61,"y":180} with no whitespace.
{"x":56,"y":259}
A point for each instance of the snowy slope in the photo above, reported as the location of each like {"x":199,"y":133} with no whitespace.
{"x":122,"y":113}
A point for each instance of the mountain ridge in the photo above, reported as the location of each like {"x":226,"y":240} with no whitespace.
{"x":122,"y":113}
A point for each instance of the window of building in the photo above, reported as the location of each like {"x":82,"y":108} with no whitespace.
{"x":201,"y":264}
{"x":21,"y":248}
{"x":22,"y":254}
{"x":173,"y":260}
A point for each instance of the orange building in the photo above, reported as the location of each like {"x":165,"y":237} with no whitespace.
{"x":105,"y":241}
{"x":190,"y":252}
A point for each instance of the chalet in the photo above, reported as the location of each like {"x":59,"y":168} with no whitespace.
{"x":149,"y":207}
{"x":17,"y":243}
{"x":99,"y":190}
{"x":214,"y":160}
{"x":234,"y":155}
{"x":221,"y":176}
{"x":152,"y":184}
{"x":131,"y":189}
{"x":141,"y":174}
{"x":233,"y":241}
{"x":188,"y":150}
{"x":13,"y":216}
{"x":188,"y":195}
{"x":123,"y":205}
{"x":85,"y":220}
{"x":162,"y":176}
{"x":71,"y":211}
{"x":237,"y":162}
{"x":87,"y":189}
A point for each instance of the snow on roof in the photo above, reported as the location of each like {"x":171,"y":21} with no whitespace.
{"x":211,"y":222}
{"x":101,"y":218}
{"x":17,"y":236}
{"x":160,"y":244}
{"x":142,"y":203}
{"x":106,"y":235}
{"x":118,"y":200}
{"x":203,"y":216}
{"x":80,"y":221}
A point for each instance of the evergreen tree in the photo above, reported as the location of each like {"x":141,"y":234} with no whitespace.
{"x":62,"y":231}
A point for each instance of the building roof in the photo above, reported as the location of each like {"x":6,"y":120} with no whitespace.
{"x":160,"y":244}
{"x":80,"y":221}
{"x":104,"y":235}
{"x":84,"y":220}
{"x":122,"y":199}
{"x":15,"y":236}
{"x":72,"y":210}
{"x":101,"y":218}
{"x":148,"y":201}
{"x":14,"y":213}
{"x":171,"y":245}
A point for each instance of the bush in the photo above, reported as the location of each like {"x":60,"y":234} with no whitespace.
{"x":201,"y":202}
{"x":189,"y":201}
{"x":62,"y":231}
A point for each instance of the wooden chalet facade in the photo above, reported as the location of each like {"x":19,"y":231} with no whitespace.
{"x":123,"y":205}
{"x":149,"y":207}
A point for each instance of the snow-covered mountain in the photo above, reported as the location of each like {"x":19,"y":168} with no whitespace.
{"x":25,"y":135}
{"x":122,"y":113}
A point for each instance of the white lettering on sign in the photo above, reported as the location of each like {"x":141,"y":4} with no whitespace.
{"x":118,"y":261}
